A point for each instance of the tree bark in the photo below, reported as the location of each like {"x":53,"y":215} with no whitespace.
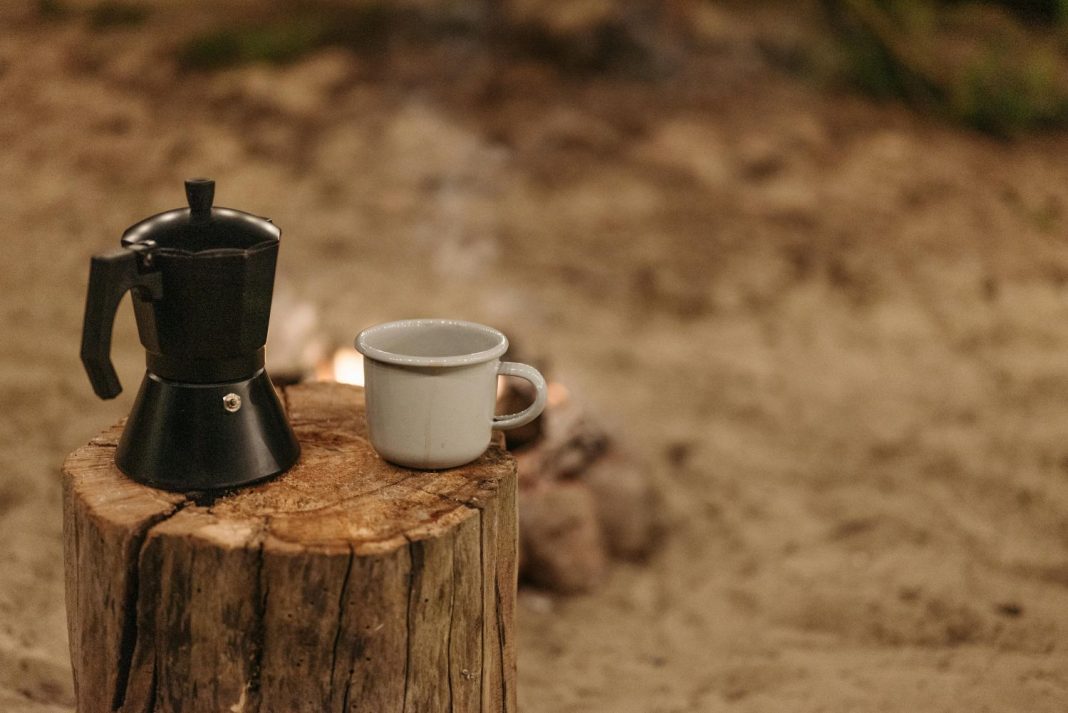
{"x":347,"y":584}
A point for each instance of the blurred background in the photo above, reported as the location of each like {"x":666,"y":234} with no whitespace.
{"x":804,"y":264}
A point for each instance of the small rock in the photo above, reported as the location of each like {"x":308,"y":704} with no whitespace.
{"x":561,"y":546}
{"x":570,"y":440}
{"x":626,"y":504}
{"x":1009,"y":609}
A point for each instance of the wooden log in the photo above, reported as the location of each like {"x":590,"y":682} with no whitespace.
{"x":347,"y":584}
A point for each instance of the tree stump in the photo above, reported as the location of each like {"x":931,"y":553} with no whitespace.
{"x":346,"y":584}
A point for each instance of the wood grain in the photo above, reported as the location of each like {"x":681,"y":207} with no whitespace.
{"x":347,"y":584}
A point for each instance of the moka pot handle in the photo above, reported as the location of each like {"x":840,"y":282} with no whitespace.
{"x":110,"y":276}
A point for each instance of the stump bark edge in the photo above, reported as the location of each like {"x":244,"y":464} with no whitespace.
{"x":347,"y":584}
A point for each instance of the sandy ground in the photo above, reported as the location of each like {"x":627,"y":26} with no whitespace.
{"x":836,"y":329}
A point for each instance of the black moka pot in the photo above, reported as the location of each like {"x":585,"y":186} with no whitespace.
{"x":207,"y":415}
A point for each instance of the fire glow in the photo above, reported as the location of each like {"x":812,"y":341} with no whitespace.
{"x":345,"y":367}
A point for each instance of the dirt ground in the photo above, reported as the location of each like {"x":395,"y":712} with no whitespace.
{"x":838,"y":331}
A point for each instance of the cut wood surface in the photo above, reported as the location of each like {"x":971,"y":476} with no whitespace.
{"x":347,"y":584}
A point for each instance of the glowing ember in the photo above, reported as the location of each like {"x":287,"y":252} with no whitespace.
{"x":346,"y":367}
{"x":558,"y":394}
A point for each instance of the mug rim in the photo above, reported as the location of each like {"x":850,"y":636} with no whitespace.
{"x":372,"y":352}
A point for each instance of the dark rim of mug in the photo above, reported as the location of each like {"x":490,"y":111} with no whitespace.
{"x":364,"y":343}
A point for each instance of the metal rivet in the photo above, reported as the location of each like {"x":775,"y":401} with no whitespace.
{"x":232,"y":402}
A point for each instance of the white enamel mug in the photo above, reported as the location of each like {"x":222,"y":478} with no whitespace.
{"x":431,"y":389}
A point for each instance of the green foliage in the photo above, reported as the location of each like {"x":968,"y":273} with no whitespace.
{"x":275,"y":43}
{"x":965,"y":60}
{"x":874,"y":70}
{"x":915,"y":16}
{"x":369,"y":27}
{"x":1050,"y":12}
{"x":1003,"y":96}
{"x":363,"y":28}
{"x":871,"y":54}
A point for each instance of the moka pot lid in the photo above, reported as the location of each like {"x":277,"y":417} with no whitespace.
{"x":202,"y":230}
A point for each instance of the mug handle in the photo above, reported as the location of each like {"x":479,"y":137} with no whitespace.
{"x":523,"y":371}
